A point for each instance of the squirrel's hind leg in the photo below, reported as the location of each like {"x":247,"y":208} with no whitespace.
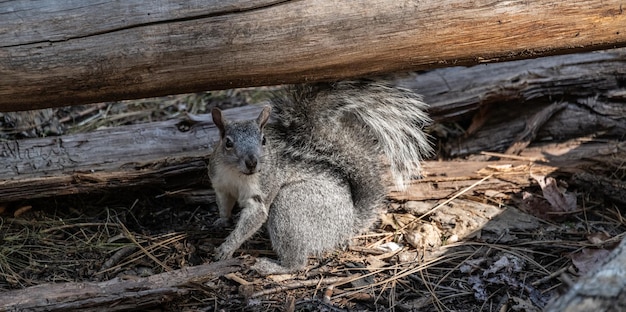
{"x":307,"y":218}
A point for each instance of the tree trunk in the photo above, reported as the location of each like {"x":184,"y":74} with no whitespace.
{"x":57,"y":53}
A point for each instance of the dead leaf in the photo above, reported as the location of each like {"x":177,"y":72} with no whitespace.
{"x":375,"y":263}
{"x":589,"y":258}
{"x":389,"y":247}
{"x":417,"y":304}
{"x":452,"y":239}
{"x":407,"y":256}
{"x":507,"y":263}
{"x":479,"y":287}
{"x":470,"y":266}
{"x":536,"y":206}
{"x":386,"y":219}
{"x":509,"y":220}
{"x":403,"y":219}
{"x":396,"y":220}
{"x":426,"y":236}
{"x":327,"y":294}
{"x":560,"y":200}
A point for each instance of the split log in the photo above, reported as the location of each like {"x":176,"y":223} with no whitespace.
{"x":173,"y":153}
{"x":512,"y":174}
{"x":460,"y":92}
{"x":117,"y":294}
{"x":502,"y":99}
{"x":57,"y":53}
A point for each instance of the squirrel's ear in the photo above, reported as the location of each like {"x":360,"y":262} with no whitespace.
{"x":264,"y":116}
{"x":218,"y":120}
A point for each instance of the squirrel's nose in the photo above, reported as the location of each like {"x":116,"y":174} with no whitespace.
{"x":251,"y":163}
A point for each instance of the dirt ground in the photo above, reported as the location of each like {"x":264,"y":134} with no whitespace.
{"x":493,"y":250}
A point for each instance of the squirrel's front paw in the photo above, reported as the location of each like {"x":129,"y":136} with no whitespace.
{"x":223,"y":253}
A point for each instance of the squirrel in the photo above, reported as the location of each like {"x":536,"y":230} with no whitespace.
{"x":315,"y":174}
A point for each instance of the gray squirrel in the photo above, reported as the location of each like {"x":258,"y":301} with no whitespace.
{"x":315,"y":176}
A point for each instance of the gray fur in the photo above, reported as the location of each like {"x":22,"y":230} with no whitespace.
{"x":320,"y":174}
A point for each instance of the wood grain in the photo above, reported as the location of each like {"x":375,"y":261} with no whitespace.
{"x":117,"y":294}
{"x":56,"y":53}
{"x":502,"y":99}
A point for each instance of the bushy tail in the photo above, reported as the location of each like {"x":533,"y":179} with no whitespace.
{"x":367,"y":117}
{"x":395,"y":117}
{"x":344,"y":128}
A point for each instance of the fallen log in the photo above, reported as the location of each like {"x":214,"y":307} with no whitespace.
{"x":172,"y":153}
{"x":169,"y":153}
{"x":58,"y":53}
{"x":117,"y":294}
{"x":502,"y":99}
{"x":512,"y":174}
{"x":458,"y":92}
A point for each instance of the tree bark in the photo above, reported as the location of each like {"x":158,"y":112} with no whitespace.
{"x":57,"y":53}
{"x":503,"y":99}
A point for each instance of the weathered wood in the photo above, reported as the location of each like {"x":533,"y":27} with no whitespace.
{"x":173,"y":153}
{"x":55,"y":53}
{"x":589,"y":84}
{"x":458,"y":92}
{"x":114,"y":295}
{"x":512,"y":175}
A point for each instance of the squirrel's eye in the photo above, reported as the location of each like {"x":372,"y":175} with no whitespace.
{"x":228,"y":142}
{"x":263,"y":140}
